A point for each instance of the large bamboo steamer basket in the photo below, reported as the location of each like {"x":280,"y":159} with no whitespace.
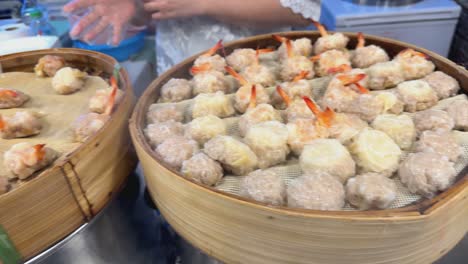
{"x":238,"y":230}
{"x":68,"y":194}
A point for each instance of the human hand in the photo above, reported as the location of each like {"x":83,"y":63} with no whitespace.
{"x":103,"y":13}
{"x":166,"y":9}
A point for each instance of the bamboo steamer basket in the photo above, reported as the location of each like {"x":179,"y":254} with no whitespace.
{"x":238,"y":230}
{"x":68,"y":194}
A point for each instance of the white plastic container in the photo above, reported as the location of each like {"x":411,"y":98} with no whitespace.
{"x":428,"y":23}
{"x":28,"y":44}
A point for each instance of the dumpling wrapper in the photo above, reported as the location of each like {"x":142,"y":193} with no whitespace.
{"x":375,"y":151}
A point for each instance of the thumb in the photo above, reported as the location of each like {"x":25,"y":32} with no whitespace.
{"x":117,"y":34}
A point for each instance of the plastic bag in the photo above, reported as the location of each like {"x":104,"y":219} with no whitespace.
{"x":105,"y":37}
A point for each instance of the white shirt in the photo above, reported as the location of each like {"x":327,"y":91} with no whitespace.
{"x":178,"y":39}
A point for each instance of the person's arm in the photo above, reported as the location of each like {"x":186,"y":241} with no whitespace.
{"x":252,"y":13}
{"x":259,"y":13}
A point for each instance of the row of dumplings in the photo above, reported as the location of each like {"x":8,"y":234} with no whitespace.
{"x":25,"y":158}
{"x":244,"y":64}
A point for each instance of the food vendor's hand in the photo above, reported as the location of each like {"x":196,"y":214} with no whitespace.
{"x":166,"y":9}
{"x":116,"y":13}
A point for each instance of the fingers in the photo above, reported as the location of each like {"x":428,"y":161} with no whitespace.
{"x":117,"y":36}
{"x":165,"y":9}
{"x":160,"y":9}
{"x":77,"y":4}
{"x":156,"y":5}
{"x":163,"y":15}
{"x":98,"y":28}
{"x":85,"y":22}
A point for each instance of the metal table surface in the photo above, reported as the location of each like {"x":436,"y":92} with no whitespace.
{"x":128,"y":230}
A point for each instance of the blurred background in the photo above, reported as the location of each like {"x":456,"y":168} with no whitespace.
{"x":438,"y":25}
{"x":433,"y":24}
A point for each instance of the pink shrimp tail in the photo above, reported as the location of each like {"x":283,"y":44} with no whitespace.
{"x":214,"y":49}
{"x":315,"y":58}
{"x":112,"y":96}
{"x":289,"y":48}
{"x":253,"y":97}
{"x":39,"y":151}
{"x":200,"y":68}
{"x":321,"y":28}
{"x":324,"y":117}
{"x":2,"y":123}
{"x":361,"y":88}
{"x":284,"y":96}
{"x":339,"y":69}
{"x":266,"y":50}
{"x":361,"y":42}
{"x":411,"y":52}
{"x":236,"y":75}
{"x":279,"y":38}
{"x":351,"y":78}
{"x":312,"y":106}
{"x":302,"y":75}
{"x":8,"y":92}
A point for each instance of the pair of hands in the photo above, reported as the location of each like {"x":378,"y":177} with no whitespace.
{"x":117,"y":13}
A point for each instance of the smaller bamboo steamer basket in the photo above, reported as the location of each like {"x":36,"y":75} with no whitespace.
{"x":238,"y":230}
{"x":70,"y":193}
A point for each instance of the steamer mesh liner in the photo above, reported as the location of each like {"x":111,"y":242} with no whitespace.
{"x":291,"y":169}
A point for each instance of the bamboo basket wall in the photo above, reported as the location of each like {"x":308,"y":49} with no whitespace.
{"x":72,"y":191}
{"x":238,"y":230}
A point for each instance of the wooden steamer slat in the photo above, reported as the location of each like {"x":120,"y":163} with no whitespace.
{"x":239,"y":230}
{"x":53,"y":204}
{"x":39,"y":213}
{"x":117,"y":156}
{"x":74,"y":183}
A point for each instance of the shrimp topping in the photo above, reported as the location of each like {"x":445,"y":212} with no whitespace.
{"x":354,"y":79}
{"x":2,"y":123}
{"x":284,"y":95}
{"x":361,"y":42}
{"x":214,"y":49}
{"x":315,"y":58}
{"x":204,"y":67}
{"x":340,"y":69}
{"x":302,"y":75}
{"x":324,"y":117}
{"x":111,"y":102}
{"x":253,"y":97}
{"x":279,"y":38}
{"x":289,"y":49}
{"x":321,"y":28}
{"x":39,"y":151}
{"x":236,"y":75}
{"x":351,"y":79}
{"x":408,"y":53}
{"x":7,"y":93}
{"x":361,"y":88}
{"x":261,"y":51}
